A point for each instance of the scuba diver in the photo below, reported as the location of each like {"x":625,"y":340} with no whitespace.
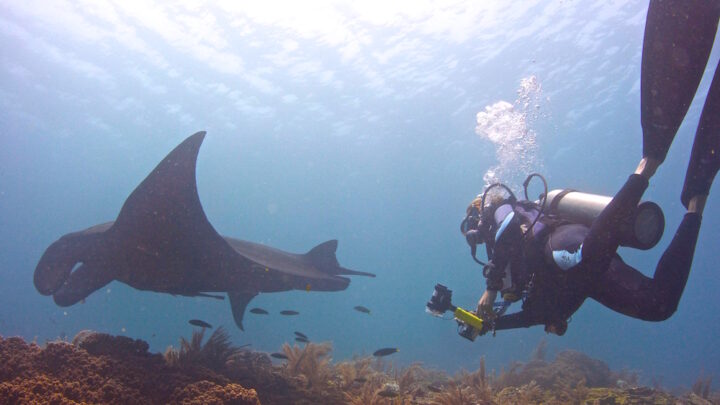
{"x":553,"y":264}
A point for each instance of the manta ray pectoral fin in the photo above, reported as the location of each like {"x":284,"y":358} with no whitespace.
{"x":238,"y":303}
{"x":164,"y":214}
{"x":323,"y":257}
{"x":81,"y":283}
{"x":163,"y":217}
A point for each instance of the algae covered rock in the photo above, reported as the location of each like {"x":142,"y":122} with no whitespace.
{"x":389,"y":390}
{"x":569,"y":369}
{"x":631,"y":396}
{"x":101,"y":343}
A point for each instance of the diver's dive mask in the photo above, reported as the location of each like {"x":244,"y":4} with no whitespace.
{"x":473,"y":227}
{"x":473,"y":222}
{"x":476,"y":227}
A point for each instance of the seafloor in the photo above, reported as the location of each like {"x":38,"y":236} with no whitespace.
{"x":100,"y":368}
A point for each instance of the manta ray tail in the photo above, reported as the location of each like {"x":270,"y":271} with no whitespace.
{"x":323,"y":257}
{"x":238,"y":302}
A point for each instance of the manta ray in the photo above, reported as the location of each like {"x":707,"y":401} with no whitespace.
{"x":162,"y":241}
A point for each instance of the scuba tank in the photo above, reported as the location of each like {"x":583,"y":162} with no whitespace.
{"x":642,"y":230}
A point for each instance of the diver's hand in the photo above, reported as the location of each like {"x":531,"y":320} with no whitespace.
{"x":485,"y":305}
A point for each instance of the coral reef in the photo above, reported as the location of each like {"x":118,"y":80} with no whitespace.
{"x":106,"y":369}
{"x":214,"y":354}
{"x":99,"y":368}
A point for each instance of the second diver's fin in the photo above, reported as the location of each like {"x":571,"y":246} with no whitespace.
{"x":238,"y":303}
{"x":667,"y":87}
{"x":323,"y":257}
{"x":704,"y":159}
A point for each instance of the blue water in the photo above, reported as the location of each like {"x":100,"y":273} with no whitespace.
{"x":346,"y":121}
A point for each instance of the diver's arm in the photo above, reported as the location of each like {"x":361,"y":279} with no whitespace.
{"x":513,"y":321}
{"x":485,"y":305}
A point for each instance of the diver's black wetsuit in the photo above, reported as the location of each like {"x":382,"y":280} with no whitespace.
{"x":678,"y":38}
{"x":558,"y":291}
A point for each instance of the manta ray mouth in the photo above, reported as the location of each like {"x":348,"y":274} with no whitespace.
{"x":56,"y":265}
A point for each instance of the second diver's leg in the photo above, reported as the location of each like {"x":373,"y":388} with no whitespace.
{"x":629,"y":292}
{"x":705,"y":156}
{"x":678,"y":38}
{"x":602,"y":241}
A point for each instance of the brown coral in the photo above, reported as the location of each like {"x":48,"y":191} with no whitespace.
{"x":354,"y":372}
{"x":207,"y":393}
{"x":477,"y":383}
{"x":121,"y":371}
{"x":214,"y":354}
{"x":102,"y":343}
{"x":109,"y":369}
{"x":569,"y":368}
{"x":312,"y":362}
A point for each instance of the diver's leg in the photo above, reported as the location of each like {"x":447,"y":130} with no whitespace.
{"x":602,"y":241}
{"x":705,"y":157}
{"x":678,"y":38}
{"x":672,"y":271}
{"x":626,"y":290}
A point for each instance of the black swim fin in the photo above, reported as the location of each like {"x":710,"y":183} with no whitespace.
{"x":679,"y":35}
{"x":705,"y":156}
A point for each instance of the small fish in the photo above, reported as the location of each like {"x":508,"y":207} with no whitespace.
{"x":360,"y":380}
{"x":362,"y":309}
{"x":302,"y":335}
{"x":386,"y":351}
{"x":197,"y":322}
{"x":434,"y":388}
{"x":302,"y":340}
{"x":259,"y":311}
{"x":289,"y":312}
{"x":279,"y":356}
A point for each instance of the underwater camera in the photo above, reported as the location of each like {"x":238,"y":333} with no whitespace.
{"x":469,"y":325}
